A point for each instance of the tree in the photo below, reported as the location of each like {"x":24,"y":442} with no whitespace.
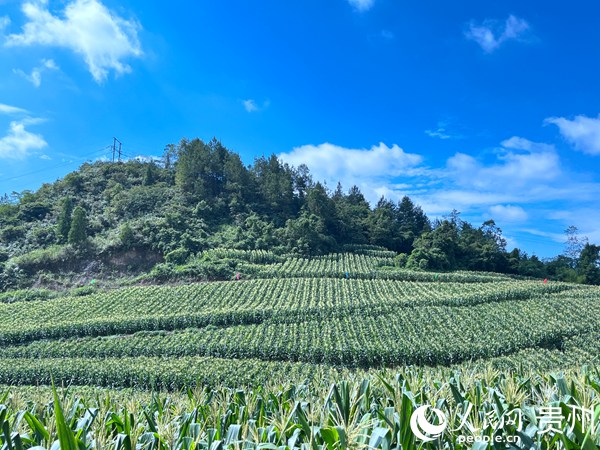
{"x":352,"y":213}
{"x":200,"y":169}
{"x":561,"y":268}
{"x":170,"y":156}
{"x":64,"y":219}
{"x":307,"y":235}
{"x":302,"y":181}
{"x":383,"y":227}
{"x":149,"y":175}
{"x":275,"y":184}
{"x":319,"y":204}
{"x":492,"y":232}
{"x":78,"y":231}
{"x":481,"y":248}
{"x":438,"y":249}
{"x":588,"y":265}
{"x":127,"y":236}
{"x":412,"y":222}
{"x":574,"y":244}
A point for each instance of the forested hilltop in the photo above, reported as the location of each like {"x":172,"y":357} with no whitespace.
{"x":125,"y":219}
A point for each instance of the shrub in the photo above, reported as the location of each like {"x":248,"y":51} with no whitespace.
{"x":26,"y":295}
{"x":178,"y":256}
{"x":45,"y":259}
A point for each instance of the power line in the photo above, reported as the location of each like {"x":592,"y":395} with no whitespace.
{"x":45,"y":169}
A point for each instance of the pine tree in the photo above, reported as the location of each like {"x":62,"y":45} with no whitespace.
{"x":149,"y":176}
{"x":64,"y":219}
{"x":78,"y":231}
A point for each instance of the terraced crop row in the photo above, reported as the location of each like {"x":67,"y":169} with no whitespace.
{"x":174,"y":373}
{"x":156,"y":373}
{"x":130,"y":310}
{"x":430,"y":335}
{"x":577,"y":351}
{"x":361,"y":266}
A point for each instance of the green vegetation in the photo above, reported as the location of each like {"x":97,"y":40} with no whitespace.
{"x":329,"y":352}
{"x":115,"y":221}
{"x":359,"y":412}
{"x":264,"y":311}
{"x":329,"y":313}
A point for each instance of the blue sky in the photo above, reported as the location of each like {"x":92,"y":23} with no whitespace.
{"x":491,"y":108}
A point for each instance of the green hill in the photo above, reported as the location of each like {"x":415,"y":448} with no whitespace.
{"x":168,"y":219}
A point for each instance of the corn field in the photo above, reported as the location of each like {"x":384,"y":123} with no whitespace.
{"x":355,"y":413}
{"x":319,"y":354}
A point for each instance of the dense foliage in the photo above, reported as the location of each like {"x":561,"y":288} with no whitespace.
{"x":123,"y":218}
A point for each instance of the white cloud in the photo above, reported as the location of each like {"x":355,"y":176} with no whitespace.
{"x":438,"y":133}
{"x":88,"y":28}
{"x":11,"y":110}
{"x":582,"y":132}
{"x":333,"y":162}
{"x":362,"y":5}
{"x":522,"y":171}
{"x":4,"y":22}
{"x":531,"y":163}
{"x":18,"y":142}
{"x":49,"y":64}
{"x":387,"y":34}
{"x":491,"y":34}
{"x":375,"y":171}
{"x":250,"y":105}
{"x":35,"y":77}
{"x":519,"y":143}
{"x":445,"y":129}
{"x":508,"y":213}
{"x":556,"y":237}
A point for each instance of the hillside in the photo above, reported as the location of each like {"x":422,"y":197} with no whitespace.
{"x":117,"y":221}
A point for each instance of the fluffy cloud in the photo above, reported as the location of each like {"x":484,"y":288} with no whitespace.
{"x":18,"y":142}
{"x":362,"y":5}
{"x":332,"y":162}
{"x":582,"y":132}
{"x":375,"y":171}
{"x":518,"y":164}
{"x":35,"y":77}
{"x":491,"y":34}
{"x":508,"y":213}
{"x":522,"y":171}
{"x":88,"y":28}
{"x":250,"y":105}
